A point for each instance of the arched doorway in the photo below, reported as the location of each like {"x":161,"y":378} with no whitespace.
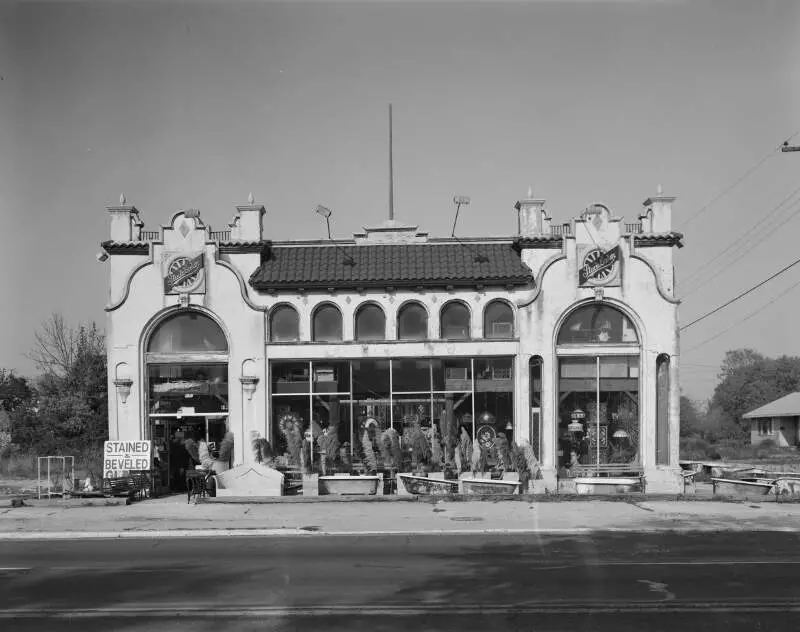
{"x":186,"y":358}
{"x":598,"y":351}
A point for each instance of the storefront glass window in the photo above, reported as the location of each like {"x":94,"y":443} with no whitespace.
{"x":535,"y":366}
{"x":284,"y":324}
{"x":598,"y":412}
{"x":370,"y":323}
{"x":412,"y":322}
{"x":190,"y":332}
{"x":498,"y":320}
{"x":494,"y":395}
{"x":290,"y":377}
{"x":455,"y":321}
{"x":327,"y":325}
{"x":452,"y":374}
{"x":364,"y":398}
{"x":597,"y":324}
{"x":411,"y":375}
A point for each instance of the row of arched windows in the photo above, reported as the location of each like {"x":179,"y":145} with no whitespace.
{"x":412,"y":322}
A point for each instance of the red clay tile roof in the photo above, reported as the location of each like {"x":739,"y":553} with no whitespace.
{"x":395,"y":265}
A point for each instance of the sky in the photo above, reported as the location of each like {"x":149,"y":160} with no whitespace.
{"x":198,"y":104}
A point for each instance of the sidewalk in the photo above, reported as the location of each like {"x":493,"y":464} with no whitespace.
{"x":172,"y":516}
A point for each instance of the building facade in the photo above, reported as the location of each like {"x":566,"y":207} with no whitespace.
{"x":564,"y":336}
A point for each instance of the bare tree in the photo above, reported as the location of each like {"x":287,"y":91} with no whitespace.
{"x":59,"y":347}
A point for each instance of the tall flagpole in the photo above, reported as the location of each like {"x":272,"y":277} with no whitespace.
{"x":391,"y":169}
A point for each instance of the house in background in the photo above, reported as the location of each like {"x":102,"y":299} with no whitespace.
{"x":778,"y":421}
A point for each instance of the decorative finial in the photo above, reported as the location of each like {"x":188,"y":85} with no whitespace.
{"x":530,"y":192}
{"x":659,"y":190}
{"x":122,"y":199}
{"x":251,"y":199}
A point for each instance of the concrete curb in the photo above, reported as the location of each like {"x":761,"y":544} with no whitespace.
{"x":312,"y":532}
{"x":76,"y":502}
{"x":268,"y":500}
{"x":522,"y":498}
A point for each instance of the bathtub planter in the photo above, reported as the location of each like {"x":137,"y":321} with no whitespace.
{"x":607,"y":485}
{"x":489,"y":487}
{"x":348,"y":485}
{"x":741,"y":489}
{"x":787,"y":487}
{"x":427,"y":486}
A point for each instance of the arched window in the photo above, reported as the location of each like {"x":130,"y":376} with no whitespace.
{"x":412,"y":322}
{"x":370,"y":323}
{"x":284,"y":324}
{"x":186,"y":385}
{"x":327,"y":324}
{"x":498,"y":320}
{"x":187,"y":332}
{"x":597,"y":324}
{"x":455,"y":321}
{"x":598,"y":389}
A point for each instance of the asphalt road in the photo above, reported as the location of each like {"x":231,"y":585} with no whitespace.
{"x":647,"y":582}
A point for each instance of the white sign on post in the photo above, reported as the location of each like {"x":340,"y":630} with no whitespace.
{"x":120,"y":458}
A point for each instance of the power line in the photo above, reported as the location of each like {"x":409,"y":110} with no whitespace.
{"x":742,"y":295}
{"x":741,"y":239}
{"x":730,"y":187}
{"x":760,"y":310}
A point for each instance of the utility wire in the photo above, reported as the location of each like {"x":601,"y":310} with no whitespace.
{"x":742,"y":295}
{"x":760,"y":310}
{"x":740,"y":241}
{"x":747,"y":233}
{"x":730,"y":187}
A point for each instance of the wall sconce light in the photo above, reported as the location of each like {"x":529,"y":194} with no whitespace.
{"x":123,"y":388}
{"x":249,"y":385}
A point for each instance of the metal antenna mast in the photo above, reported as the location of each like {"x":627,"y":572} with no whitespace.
{"x":391,"y":169}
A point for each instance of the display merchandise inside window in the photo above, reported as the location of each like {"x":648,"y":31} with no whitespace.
{"x":598,"y":412}
{"x":440,"y":398}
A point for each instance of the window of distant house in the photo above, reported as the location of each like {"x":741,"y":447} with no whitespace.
{"x":455,"y":321}
{"x":284,"y":324}
{"x":764,"y":426}
{"x":327,"y":324}
{"x":498,"y":320}
{"x":412,"y":322}
{"x":370,"y":323}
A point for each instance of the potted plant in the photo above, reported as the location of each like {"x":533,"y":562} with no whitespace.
{"x":427,"y":456}
{"x":346,"y":483}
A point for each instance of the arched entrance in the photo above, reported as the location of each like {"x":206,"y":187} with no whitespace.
{"x":186,"y":359}
{"x":598,"y":350}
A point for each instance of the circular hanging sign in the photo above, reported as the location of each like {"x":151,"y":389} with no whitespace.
{"x":485,"y":436}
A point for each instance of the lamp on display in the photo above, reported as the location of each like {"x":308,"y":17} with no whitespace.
{"x":576,"y":416}
{"x":621,"y":434}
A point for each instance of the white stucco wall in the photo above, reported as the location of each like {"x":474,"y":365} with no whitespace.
{"x":137,"y":303}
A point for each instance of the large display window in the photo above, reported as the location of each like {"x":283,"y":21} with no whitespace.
{"x":358,"y":401}
{"x":598,"y":391}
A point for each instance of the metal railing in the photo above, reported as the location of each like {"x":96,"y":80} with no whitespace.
{"x":220,"y":235}
{"x":149,"y":235}
{"x":564,"y":229}
{"x":633,"y":229}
